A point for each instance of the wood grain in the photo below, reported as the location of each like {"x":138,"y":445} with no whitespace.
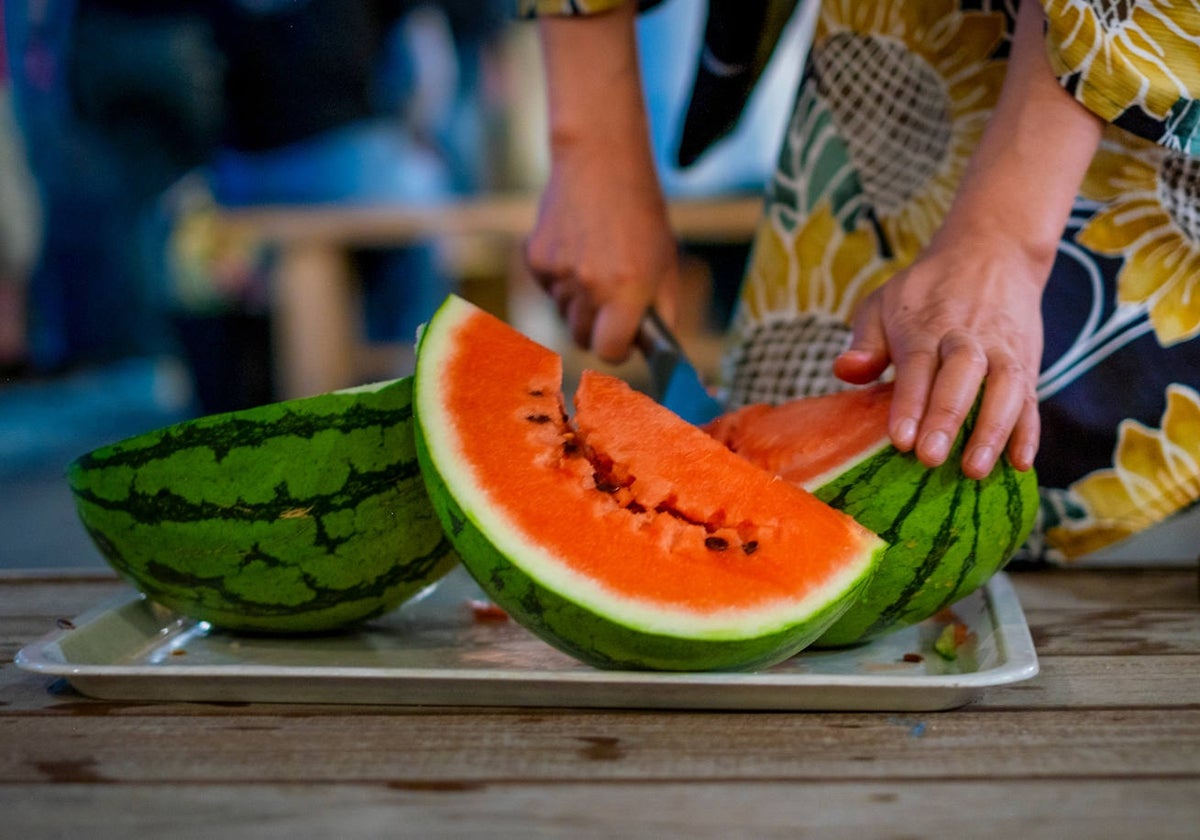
{"x":1104,"y":742}
{"x":1030,"y":810}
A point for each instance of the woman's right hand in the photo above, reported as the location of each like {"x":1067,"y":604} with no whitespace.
{"x":602,"y":246}
{"x":603,"y":250}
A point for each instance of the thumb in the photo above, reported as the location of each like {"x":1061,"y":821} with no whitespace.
{"x":867,"y":357}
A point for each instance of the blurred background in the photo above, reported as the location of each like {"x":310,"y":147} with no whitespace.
{"x":191,"y":194}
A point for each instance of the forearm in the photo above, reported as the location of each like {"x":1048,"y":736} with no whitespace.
{"x":594,"y":86}
{"x":1026,"y":171}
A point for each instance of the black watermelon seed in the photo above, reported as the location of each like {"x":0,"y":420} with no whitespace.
{"x":604,"y":485}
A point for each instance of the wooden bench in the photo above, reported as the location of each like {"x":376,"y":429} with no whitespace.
{"x":315,"y":320}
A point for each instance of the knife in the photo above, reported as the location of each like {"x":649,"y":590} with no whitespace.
{"x":673,"y":379}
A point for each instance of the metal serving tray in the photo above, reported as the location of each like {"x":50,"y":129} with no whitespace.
{"x":443,"y":650}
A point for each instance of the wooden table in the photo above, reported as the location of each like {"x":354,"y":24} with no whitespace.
{"x":1105,"y":742}
{"x":317,"y":330}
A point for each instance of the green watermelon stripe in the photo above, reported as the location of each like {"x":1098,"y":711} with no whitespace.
{"x":168,"y":578}
{"x":295,"y":517}
{"x":165,"y":506}
{"x":936,"y":551}
{"x":852,"y":479}
{"x":238,"y":432}
{"x":964,"y":572}
{"x":946,"y":538}
{"x":1016,"y":511}
{"x":1015,"y":508}
{"x":942,"y":539}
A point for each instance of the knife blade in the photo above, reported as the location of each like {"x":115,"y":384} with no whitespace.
{"x":674,"y":380}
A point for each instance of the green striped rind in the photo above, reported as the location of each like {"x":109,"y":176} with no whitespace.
{"x":600,"y":640}
{"x":947,"y":534}
{"x":301,"y":516}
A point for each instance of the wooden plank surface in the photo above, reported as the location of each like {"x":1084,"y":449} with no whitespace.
{"x":1105,"y":742}
{"x":724,"y":219}
{"x":1032,"y":810}
{"x":291,"y":746}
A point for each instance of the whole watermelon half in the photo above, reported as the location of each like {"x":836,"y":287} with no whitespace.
{"x":296,"y":517}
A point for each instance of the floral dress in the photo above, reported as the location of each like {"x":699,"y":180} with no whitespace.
{"x":893,"y":100}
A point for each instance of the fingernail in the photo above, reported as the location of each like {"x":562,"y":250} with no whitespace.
{"x":906,"y":431}
{"x":1026,"y":456}
{"x":936,"y":446}
{"x":980,"y":460}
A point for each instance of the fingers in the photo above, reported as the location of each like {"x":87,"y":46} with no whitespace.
{"x":553,"y":272}
{"x":866,"y":358}
{"x":579,"y":317}
{"x":936,"y":390}
{"x":601,"y":315}
{"x":1023,"y":445}
{"x":549,"y":271}
{"x":950,"y":378}
{"x":613,"y":332}
{"x":1008,"y":404}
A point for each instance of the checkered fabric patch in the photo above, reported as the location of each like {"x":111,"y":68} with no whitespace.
{"x":785,"y":358}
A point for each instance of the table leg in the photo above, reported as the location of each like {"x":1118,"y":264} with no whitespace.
{"x":315,"y":325}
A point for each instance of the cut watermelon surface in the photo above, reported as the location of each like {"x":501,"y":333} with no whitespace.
{"x":810,"y":441}
{"x":624,"y":536}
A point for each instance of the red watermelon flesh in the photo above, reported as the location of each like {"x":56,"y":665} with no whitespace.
{"x":728,"y":534}
{"x":625,"y":536}
{"x":809,"y":441}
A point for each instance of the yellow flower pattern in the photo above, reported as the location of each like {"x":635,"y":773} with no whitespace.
{"x":537,"y":8}
{"x":817,"y":267}
{"x":942,"y":58}
{"x":1144,"y":54}
{"x":1155,"y":473}
{"x":1151,"y":218}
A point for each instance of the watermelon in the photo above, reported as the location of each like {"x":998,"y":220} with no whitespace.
{"x":296,"y":517}
{"x":947,"y":534}
{"x":623,"y":535}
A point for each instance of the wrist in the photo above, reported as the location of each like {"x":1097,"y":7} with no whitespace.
{"x":594,"y":81}
{"x":1009,"y":212}
{"x":1022,"y":180}
{"x":990,"y":237}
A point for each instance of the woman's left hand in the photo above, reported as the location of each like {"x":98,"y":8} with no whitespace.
{"x":965,"y":316}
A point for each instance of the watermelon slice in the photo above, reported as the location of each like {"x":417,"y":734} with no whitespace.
{"x":296,"y":517}
{"x":947,"y":534}
{"x":625,"y":537}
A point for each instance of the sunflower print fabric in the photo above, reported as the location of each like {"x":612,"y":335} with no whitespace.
{"x":893,"y":100}
{"x":1136,"y":64}
{"x":892,"y":103}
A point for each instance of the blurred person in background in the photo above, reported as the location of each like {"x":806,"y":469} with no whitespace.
{"x":260,"y":102}
{"x":116,"y":99}
{"x":366,"y":103}
{"x":18,"y":227}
